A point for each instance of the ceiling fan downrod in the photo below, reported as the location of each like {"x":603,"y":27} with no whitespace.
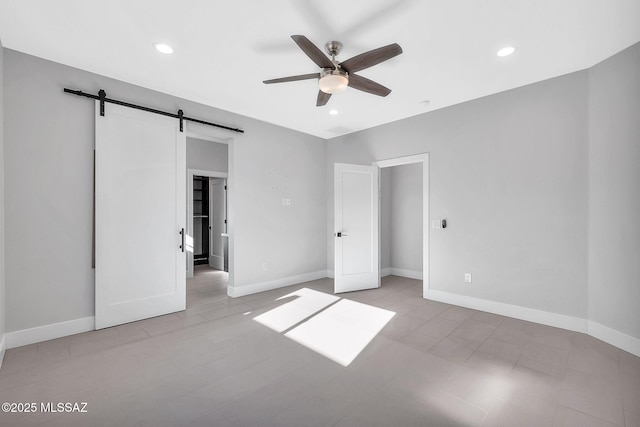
{"x":333,"y":48}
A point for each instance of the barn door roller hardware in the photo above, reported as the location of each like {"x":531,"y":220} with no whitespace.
{"x":102,"y":97}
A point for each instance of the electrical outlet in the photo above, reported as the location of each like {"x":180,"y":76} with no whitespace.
{"x":436,"y":223}
{"x":264,"y":266}
{"x":467,"y":277}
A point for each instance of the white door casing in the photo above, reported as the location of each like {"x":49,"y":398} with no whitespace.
{"x":356,"y":227}
{"x":140,"y":212}
{"x":422,"y":158}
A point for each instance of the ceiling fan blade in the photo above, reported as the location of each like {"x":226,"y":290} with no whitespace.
{"x":366,"y":85}
{"x":371,"y":58}
{"x":313,"y":52}
{"x":293,"y":78}
{"x":323,"y":98}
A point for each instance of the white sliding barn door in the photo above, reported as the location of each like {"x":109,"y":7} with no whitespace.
{"x":356,"y":227}
{"x":140,"y":212}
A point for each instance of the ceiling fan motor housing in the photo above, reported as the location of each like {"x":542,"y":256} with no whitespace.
{"x":333,"y":48}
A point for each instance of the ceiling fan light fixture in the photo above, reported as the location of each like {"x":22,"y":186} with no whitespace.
{"x":333,"y":81}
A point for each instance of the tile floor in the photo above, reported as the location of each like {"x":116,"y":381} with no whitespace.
{"x":432,"y":365}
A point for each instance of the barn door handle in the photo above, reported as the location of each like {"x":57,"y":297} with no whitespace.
{"x":182,"y":235}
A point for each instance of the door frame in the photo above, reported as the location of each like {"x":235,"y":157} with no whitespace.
{"x":422,"y":158}
{"x":207,"y":133}
{"x":190,"y":174}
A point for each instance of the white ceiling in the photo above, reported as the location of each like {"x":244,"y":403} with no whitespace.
{"x":224,"y":49}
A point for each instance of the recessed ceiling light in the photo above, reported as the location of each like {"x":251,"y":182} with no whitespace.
{"x":333,"y":112}
{"x":506,"y":51}
{"x":163,"y":48}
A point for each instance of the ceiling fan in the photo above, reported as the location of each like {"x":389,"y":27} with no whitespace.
{"x":335,"y":76}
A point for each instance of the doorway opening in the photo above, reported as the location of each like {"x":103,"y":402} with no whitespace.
{"x":404,"y":218}
{"x":201,"y":220}
{"x":207,"y":237}
{"x":210,"y":236}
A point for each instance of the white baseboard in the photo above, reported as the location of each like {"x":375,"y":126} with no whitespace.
{"x":409,"y":274}
{"x":603,"y":333}
{"x":510,"y":310}
{"x":216,"y":261}
{"x":2,"y":349}
{"x":49,"y":332}
{"x":239,"y":291}
{"x":391,"y":271}
{"x":615,"y":338}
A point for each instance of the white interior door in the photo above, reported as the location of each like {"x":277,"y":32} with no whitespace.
{"x":217,"y":216}
{"x":356,"y":227}
{"x":140,"y":214}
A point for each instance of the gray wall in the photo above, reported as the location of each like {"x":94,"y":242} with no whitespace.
{"x":509,"y":173}
{"x":207,"y":155}
{"x":49,"y":170}
{"x":401,"y":217}
{"x":2,"y":222}
{"x":290,"y":239}
{"x":614,"y":192}
{"x":406,"y":217}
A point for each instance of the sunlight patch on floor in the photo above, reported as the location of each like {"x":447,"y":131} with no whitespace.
{"x":339,"y":332}
{"x":307,"y":303}
{"x":342,"y":331}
